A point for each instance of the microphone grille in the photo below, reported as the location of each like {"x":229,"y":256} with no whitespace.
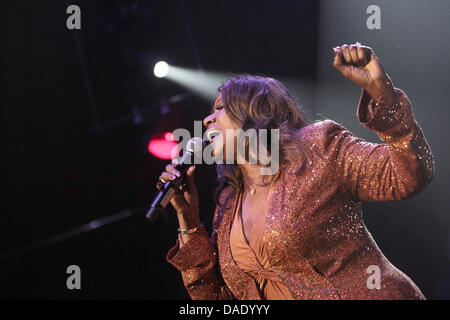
{"x":195,"y":145}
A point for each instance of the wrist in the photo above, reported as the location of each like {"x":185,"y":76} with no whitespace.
{"x":191,"y":230}
{"x":381,"y":88}
{"x":186,"y":233}
{"x":188,"y":222}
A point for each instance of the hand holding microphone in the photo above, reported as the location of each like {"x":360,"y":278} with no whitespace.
{"x":177,"y":186}
{"x":184,"y":200}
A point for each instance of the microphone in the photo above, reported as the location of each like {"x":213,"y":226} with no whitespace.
{"x":194,"y":150}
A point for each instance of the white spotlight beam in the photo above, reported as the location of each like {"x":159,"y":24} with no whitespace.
{"x":206,"y":83}
{"x":203,"y":83}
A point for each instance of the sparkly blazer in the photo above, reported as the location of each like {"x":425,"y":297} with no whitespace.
{"x":317,"y":243}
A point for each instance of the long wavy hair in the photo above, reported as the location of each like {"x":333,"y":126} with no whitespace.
{"x":261,"y":103}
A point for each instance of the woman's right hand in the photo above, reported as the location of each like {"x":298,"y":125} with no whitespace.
{"x":185,"y":200}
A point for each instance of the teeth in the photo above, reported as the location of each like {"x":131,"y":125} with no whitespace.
{"x":211,"y":134}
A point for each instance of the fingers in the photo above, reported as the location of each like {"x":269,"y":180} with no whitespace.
{"x":170,"y":168}
{"x":346,"y":52}
{"x":188,"y":197}
{"x":190,"y":174}
{"x":191,"y":188}
{"x":177,"y":200}
{"x":160,"y":186}
{"x":338,"y":59}
{"x":166,"y":176}
{"x":361,"y":55}
{"x":355,"y":54}
{"x":349,"y":54}
{"x":171,"y":174}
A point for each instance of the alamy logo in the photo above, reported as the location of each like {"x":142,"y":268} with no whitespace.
{"x":374,"y":20}
{"x":74,"y":20}
{"x":74,"y":280}
{"x":374,"y":281}
{"x":252,"y":146}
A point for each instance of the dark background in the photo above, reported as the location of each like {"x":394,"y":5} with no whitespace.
{"x":65,"y":163}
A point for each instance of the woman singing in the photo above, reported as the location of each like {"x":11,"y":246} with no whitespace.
{"x":299,"y":233}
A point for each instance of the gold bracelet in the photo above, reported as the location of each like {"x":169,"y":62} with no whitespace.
{"x":190,"y":231}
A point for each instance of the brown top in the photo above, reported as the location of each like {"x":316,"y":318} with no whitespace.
{"x":251,"y":254}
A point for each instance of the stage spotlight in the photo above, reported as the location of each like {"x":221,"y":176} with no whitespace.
{"x":162,"y":146}
{"x":161,"y":69}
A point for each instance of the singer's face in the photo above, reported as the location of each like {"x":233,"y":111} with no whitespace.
{"x":219,"y":120}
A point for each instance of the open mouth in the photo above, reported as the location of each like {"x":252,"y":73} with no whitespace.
{"x":212,"y":133}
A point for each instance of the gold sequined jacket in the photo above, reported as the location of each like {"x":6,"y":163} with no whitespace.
{"x":317,"y":242}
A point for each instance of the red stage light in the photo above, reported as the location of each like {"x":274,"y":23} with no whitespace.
{"x":161,"y":146}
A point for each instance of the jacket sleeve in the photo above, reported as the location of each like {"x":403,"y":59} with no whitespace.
{"x":394,"y":170}
{"x":197,"y":261}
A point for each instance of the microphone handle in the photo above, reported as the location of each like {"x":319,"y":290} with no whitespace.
{"x":164,"y":196}
{"x":162,"y":199}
